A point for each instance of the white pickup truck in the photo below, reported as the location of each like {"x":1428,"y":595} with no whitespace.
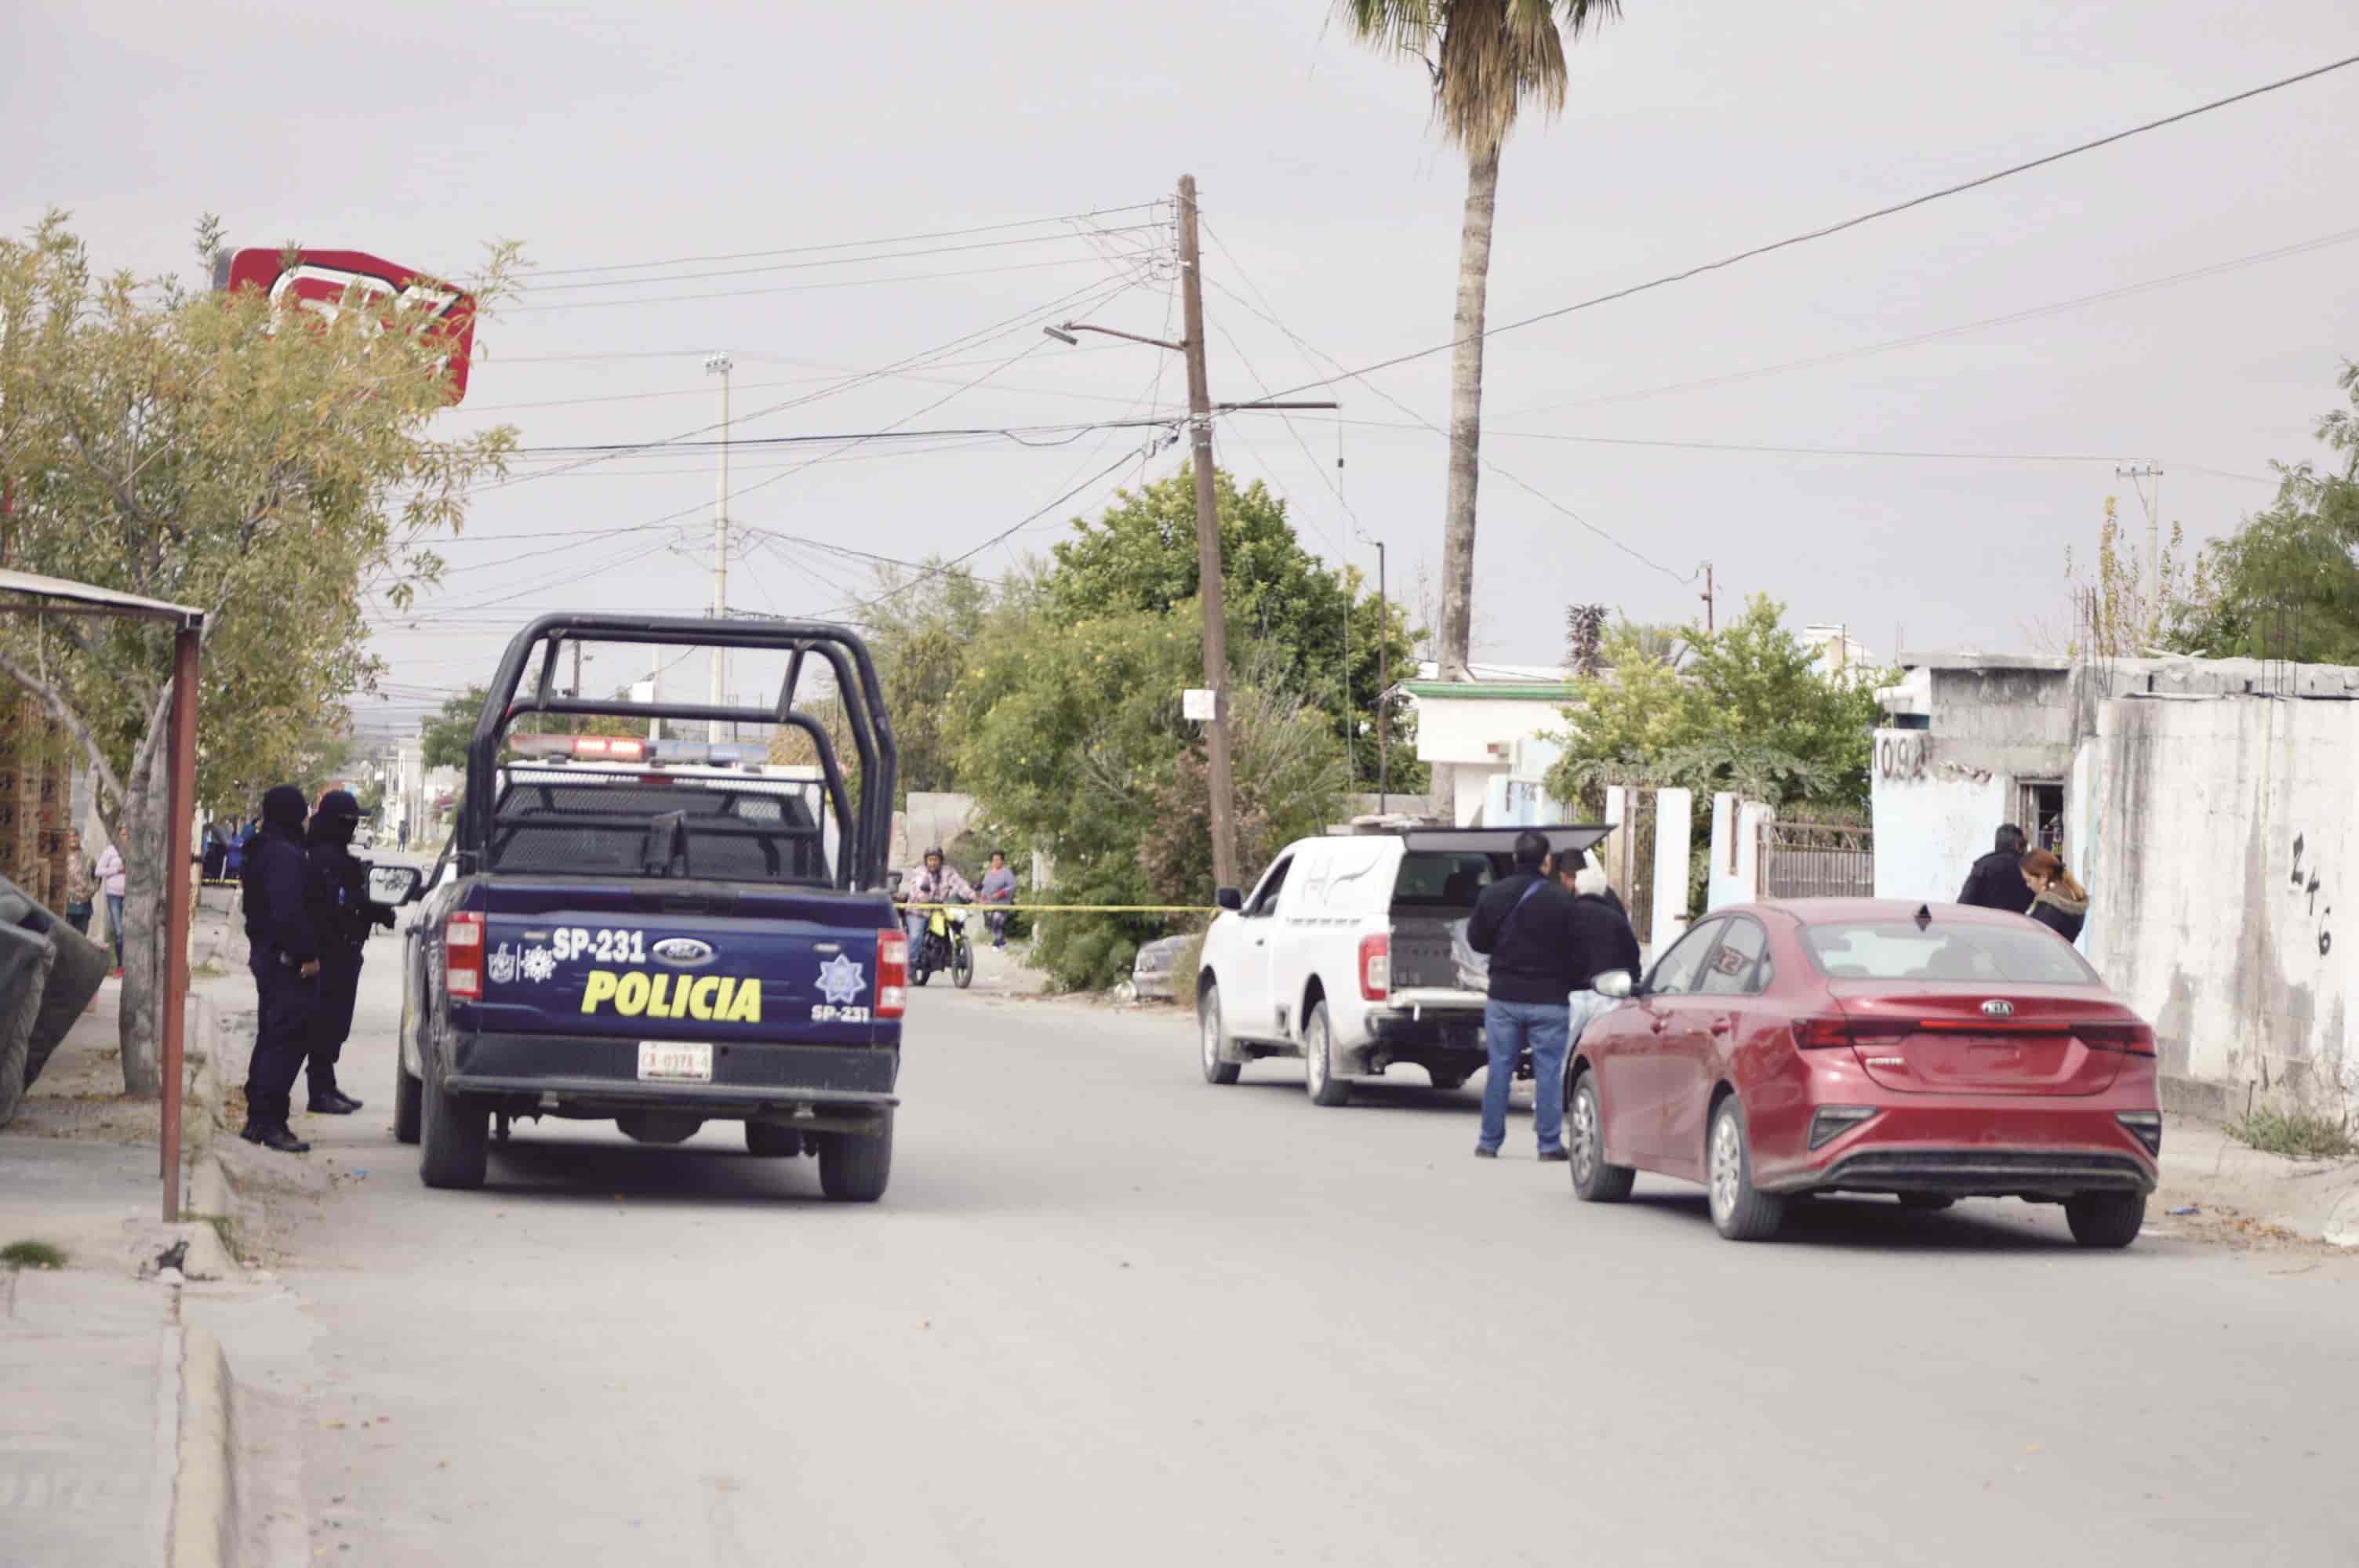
{"x":1342,"y":955}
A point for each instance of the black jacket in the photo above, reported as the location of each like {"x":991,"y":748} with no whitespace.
{"x":1997,"y":882}
{"x":1602,"y":940}
{"x":342,"y":891}
{"x":283,"y":903}
{"x":2065,"y":916}
{"x":1534,"y":941}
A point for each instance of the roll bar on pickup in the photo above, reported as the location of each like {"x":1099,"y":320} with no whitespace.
{"x":868,"y":824}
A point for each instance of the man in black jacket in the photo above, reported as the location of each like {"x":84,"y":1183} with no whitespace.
{"x":1526,"y":923}
{"x":343,"y":888}
{"x":1997,"y":882}
{"x":283,"y":927}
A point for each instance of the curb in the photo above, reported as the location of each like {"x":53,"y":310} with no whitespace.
{"x":204,"y":1500}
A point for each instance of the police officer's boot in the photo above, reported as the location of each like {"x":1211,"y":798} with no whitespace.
{"x":327,"y":1099}
{"x":267,"y":1125}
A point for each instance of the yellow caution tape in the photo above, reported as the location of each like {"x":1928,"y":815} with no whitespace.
{"x":1071,"y":908}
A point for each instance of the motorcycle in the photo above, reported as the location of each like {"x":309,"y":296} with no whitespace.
{"x":946,"y":946}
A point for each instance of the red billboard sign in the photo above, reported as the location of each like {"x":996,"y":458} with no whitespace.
{"x":321,"y":280}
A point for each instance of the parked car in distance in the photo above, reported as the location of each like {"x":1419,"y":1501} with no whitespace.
{"x":1154,"y":974}
{"x":1342,"y":955}
{"x":1825,"y":1045}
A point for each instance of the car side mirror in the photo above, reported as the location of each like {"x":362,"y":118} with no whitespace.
{"x":1615,"y":985}
{"x":394,"y":886}
{"x":1229,"y":898}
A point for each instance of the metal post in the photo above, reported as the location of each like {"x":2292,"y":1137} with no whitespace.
{"x":1208,"y":544}
{"x":1707,"y":607}
{"x":720,"y":366}
{"x":1383,"y":686}
{"x":576,"y":725}
{"x":180,"y":800}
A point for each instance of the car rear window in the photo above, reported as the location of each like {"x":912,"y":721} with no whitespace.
{"x":1971,"y":953}
{"x":559,"y":822}
{"x":1436,"y":880}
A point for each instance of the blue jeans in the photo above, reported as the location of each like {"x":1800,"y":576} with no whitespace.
{"x":115,"y":924}
{"x":1507,"y":1027}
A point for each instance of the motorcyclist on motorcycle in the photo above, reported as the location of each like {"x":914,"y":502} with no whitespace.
{"x":937,"y":883}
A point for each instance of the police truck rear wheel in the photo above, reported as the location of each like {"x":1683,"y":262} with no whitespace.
{"x":853,"y":1167}
{"x":406,"y":1111}
{"x":456,"y":1141}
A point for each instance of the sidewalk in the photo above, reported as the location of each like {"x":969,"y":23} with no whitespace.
{"x":115,"y":1440}
{"x":2242,"y":1194}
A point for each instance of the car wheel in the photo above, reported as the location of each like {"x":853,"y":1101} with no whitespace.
{"x":1926,"y":1203}
{"x":1740,"y":1211}
{"x":1593,"y":1180}
{"x":1448,"y":1079}
{"x":1212,"y":1039}
{"x":455,"y":1137}
{"x":962,"y":965}
{"x":853,"y":1167}
{"x":772,"y":1142}
{"x":2106,"y":1219}
{"x":1319,"y":1060}
{"x":406,"y":1092}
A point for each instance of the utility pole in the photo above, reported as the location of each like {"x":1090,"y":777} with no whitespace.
{"x":1383,"y":686}
{"x":1208,"y":544}
{"x":655,"y":688}
{"x":720,"y":366}
{"x":2137,"y":474}
{"x":1707,"y":598}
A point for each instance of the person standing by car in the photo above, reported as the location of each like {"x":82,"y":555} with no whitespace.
{"x":1526,"y":923}
{"x":342,"y":887}
{"x":998,"y":887}
{"x":284,"y":928}
{"x":2058,"y":902}
{"x":1604,"y":940}
{"x":1996,"y":879}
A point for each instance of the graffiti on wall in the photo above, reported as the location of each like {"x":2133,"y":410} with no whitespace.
{"x":2307,"y":885}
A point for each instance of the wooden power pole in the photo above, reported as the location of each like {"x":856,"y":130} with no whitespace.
{"x":1208,"y":546}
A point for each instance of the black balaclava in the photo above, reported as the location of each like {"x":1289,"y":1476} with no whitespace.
{"x":283,"y":808}
{"x":337,"y":815}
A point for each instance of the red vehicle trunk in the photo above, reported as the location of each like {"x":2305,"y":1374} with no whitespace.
{"x":1919,"y":1037}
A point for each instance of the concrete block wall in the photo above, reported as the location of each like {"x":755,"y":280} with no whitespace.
{"x":2224,"y":837}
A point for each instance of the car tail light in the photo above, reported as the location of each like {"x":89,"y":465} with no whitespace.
{"x":892,"y":973}
{"x":2130,"y":1037}
{"x":1830,"y":1122}
{"x":2148,"y":1124}
{"x":463,"y":955}
{"x":1376,"y":967}
{"x":1827,"y":1033}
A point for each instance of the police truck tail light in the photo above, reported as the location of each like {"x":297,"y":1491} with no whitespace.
{"x":462,"y":957}
{"x":1376,"y":967}
{"x":892,"y":973}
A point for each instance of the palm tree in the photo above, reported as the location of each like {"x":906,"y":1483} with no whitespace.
{"x":1485,"y":57}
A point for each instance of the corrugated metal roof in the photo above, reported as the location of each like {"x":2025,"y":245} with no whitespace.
{"x":104,"y":598}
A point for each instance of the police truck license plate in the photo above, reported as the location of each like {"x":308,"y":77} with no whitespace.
{"x":670,"y":1061}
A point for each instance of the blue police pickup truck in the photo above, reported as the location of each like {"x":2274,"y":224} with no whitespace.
{"x":622,"y":940}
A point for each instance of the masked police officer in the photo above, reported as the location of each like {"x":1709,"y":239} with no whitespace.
{"x":343,"y":887}
{"x":283,"y":926}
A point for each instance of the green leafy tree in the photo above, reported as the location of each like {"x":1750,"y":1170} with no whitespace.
{"x":1486,"y":59}
{"x":1332,"y":643}
{"x":443,"y":738}
{"x":271,"y":468}
{"x":2286,"y":584}
{"x":924,"y":629}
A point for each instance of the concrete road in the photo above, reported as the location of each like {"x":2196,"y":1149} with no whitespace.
{"x":1109,"y":1314}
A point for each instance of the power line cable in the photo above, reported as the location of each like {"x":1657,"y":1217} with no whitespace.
{"x":1088,"y":238}
{"x":854,"y":244}
{"x":804,"y":288}
{"x":1826,"y":230}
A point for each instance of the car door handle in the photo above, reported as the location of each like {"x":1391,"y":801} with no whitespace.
{"x":1720,"y":1026}
{"x":1657,"y":1026}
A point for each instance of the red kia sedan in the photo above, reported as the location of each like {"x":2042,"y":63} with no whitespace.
{"x":1821,"y":1045}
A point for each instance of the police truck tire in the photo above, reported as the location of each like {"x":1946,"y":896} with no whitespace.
{"x":853,"y":1167}
{"x":455,"y":1144}
{"x":406,"y":1108}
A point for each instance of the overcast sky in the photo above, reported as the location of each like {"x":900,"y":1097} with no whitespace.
{"x":603,"y":136}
